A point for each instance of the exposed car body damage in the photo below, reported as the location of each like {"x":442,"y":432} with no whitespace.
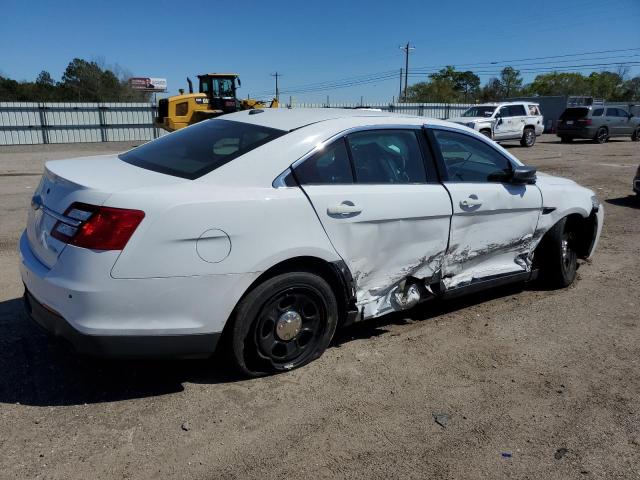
{"x":461,"y":265}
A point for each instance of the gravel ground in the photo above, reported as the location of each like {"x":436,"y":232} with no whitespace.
{"x":524,"y":383}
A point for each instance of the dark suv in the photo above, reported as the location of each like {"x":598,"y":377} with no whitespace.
{"x":597,"y":123}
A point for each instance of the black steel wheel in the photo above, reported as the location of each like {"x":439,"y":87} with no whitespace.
{"x":528,"y":138}
{"x":602,"y":135}
{"x":283,"y":323}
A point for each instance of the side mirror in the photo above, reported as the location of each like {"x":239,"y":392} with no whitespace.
{"x":499,"y":121}
{"x":523,"y":175}
{"x":239,"y":82}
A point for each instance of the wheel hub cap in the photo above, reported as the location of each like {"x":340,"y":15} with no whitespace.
{"x":288,"y":325}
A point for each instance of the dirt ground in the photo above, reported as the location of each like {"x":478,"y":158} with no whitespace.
{"x":526,"y":383}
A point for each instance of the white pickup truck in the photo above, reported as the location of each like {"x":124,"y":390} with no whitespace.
{"x":505,"y":121}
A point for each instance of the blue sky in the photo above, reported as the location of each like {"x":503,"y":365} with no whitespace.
{"x":312,"y":41}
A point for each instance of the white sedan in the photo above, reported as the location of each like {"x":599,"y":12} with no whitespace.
{"x":263,"y":231}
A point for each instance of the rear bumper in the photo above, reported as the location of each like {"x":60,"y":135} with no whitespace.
{"x":78,"y":300}
{"x":582,"y":132}
{"x":188,"y":346}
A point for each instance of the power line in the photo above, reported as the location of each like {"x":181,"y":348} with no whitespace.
{"x":496,"y":62}
{"x":387,"y":75}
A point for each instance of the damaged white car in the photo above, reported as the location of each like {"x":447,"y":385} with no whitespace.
{"x":263,"y":231}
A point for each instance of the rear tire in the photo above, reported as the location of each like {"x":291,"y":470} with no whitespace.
{"x":602,"y":135}
{"x":284,"y":323}
{"x":635,"y":136}
{"x":565,"y":139}
{"x":528,"y":137}
{"x":559,"y":262}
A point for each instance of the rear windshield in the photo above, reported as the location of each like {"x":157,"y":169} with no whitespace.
{"x":201,"y":148}
{"x":574,"y":113}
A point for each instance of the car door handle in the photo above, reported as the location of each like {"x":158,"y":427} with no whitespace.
{"x":345,"y":208}
{"x":470,"y":202}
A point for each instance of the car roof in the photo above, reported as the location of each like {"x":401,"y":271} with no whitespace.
{"x":495,"y":104}
{"x":294,"y":118}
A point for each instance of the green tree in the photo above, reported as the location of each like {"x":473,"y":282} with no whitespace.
{"x":468,"y":83}
{"x":607,"y":85}
{"x":631,"y":89}
{"x":492,"y":91}
{"x":559,"y":84}
{"x":447,"y":85}
{"x":511,"y":81}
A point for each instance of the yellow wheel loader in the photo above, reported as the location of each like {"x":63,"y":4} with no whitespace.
{"x":217,"y":96}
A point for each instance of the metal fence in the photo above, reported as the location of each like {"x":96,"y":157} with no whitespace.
{"x":30,"y":123}
{"x":432,"y":110}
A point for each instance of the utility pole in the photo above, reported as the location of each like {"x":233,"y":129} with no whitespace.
{"x":400,"y":91}
{"x":406,"y":49}
{"x":277,"y":75}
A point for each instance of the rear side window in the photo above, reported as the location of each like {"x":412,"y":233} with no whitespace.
{"x":387,"y":156}
{"x":574,"y":113}
{"x":517,"y":111}
{"x":597,"y":112}
{"x":201,"y":148}
{"x":534,"y":110}
{"x":329,"y":166}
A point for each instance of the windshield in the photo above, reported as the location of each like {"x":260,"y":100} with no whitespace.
{"x":223,"y":87}
{"x":574,"y":113}
{"x":201,"y":148}
{"x":479,"y":112}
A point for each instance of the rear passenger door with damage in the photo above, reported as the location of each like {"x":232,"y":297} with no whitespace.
{"x":377,"y":196}
{"x":493,"y":221}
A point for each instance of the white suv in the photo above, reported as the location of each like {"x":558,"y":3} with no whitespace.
{"x":505,"y":121}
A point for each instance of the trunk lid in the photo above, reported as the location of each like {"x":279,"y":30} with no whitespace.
{"x":89,"y":180}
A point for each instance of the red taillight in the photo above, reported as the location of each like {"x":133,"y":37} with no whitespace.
{"x":99,"y":228}
{"x":584,"y":121}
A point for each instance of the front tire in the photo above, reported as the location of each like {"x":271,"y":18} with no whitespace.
{"x":284,"y":323}
{"x":486,"y":133}
{"x":559,"y":262}
{"x":635,"y":136}
{"x":528,"y":138}
{"x":602,"y":135}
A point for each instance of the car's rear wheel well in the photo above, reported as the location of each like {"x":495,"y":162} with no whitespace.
{"x":336,"y":274}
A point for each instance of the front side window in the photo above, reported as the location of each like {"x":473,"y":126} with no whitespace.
{"x":329,"y":166}
{"x":612,"y":112}
{"x":468,"y":159}
{"x":504,"y":112}
{"x":387,"y":156}
{"x":199,"y":149}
